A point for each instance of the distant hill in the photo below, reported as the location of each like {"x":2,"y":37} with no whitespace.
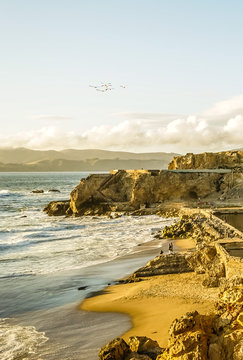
{"x":22,"y":159}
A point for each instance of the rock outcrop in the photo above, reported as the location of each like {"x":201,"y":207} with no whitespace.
{"x":129,"y":190}
{"x":57,"y":208}
{"x":220,"y":160}
{"x":137,"y":347}
{"x":209,"y":234}
{"x":189,"y":337}
{"x":217,"y":336}
{"x":164,"y":264}
{"x":206,"y":260}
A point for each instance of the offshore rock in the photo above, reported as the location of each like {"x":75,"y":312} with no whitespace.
{"x":57,"y":208}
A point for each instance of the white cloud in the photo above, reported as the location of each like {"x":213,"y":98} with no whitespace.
{"x":148,"y":133}
{"x":51,"y":117}
{"x":225,"y":109}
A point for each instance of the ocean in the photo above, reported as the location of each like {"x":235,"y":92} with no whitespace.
{"x":45,"y":260}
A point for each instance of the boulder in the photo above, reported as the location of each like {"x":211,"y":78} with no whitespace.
{"x":189,"y":338}
{"x":144,"y":345}
{"x":206,"y":260}
{"x":211,"y":282}
{"x":57,"y":208}
{"x":116,"y":349}
{"x":136,"y":356}
{"x":185,"y":323}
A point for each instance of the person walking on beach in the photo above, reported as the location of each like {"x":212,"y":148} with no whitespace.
{"x":170,"y":248}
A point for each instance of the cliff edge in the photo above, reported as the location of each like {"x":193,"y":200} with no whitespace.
{"x":207,"y":160}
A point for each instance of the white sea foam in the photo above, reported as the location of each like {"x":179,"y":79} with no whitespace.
{"x":19,"y":342}
{"x":4,"y":192}
{"x":47,"y":245}
{"x":32,"y":243}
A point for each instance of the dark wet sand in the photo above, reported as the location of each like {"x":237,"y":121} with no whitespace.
{"x":75,"y":334}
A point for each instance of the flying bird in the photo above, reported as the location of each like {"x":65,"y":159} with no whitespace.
{"x":103,"y":87}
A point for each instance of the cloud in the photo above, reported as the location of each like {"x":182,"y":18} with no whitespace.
{"x":51,"y":117}
{"x":225,"y":109}
{"x":194,"y":133}
{"x":147,"y":116}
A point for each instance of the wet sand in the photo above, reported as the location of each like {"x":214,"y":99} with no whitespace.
{"x":75,"y":334}
{"x":155,"y":302}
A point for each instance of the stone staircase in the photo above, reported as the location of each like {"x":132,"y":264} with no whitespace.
{"x":165,"y":264}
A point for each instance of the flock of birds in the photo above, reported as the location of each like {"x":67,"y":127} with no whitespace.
{"x":103,"y":87}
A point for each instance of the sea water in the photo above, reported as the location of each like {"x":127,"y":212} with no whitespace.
{"x":44,"y":260}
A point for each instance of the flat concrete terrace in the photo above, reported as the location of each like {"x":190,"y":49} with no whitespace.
{"x":216,"y":171}
{"x":157,"y":171}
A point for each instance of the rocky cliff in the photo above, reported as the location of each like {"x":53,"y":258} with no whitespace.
{"x":215,"y":336}
{"x":220,"y":160}
{"x":128,"y":190}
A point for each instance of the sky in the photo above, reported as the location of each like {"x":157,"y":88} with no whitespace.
{"x":180,"y":62}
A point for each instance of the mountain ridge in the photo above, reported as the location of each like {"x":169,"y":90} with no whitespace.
{"x":25,"y":156}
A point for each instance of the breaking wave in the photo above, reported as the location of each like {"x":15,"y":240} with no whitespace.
{"x":19,"y":342}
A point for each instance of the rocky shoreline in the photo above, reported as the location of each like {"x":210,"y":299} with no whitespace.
{"x":216,"y":336}
{"x":194,"y":336}
{"x":194,"y":188}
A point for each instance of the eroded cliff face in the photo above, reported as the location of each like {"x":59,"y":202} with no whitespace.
{"x":138,"y":187}
{"x":127,"y":190}
{"x":220,"y":160}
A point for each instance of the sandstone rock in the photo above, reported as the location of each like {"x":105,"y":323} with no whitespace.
{"x":185,"y":323}
{"x":232,"y":345}
{"x":211,"y":282}
{"x":136,"y":356}
{"x":215,"y":352}
{"x":144,"y":345}
{"x":182,"y":228}
{"x":136,"y":188}
{"x":216,"y":336}
{"x":189,"y":338}
{"x":116,"y":349}
{"x":57,"y":208}
{"x":206,"y":260}
{"x":240,"y":319}
{"x":226,"y":159}
{"x":164,"y":264}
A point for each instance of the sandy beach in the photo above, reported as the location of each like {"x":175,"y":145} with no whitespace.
{"x":156,"y":301}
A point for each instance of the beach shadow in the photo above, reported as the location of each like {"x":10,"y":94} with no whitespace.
{"x":97,"y":293}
